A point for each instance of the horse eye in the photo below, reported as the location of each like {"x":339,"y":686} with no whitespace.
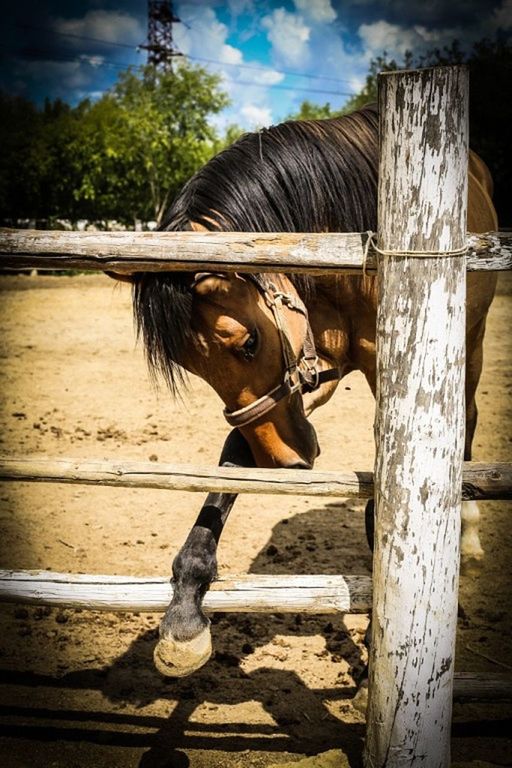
{"x":250,"y":347}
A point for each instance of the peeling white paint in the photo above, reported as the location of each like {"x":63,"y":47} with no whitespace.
{"x":420,"y":417}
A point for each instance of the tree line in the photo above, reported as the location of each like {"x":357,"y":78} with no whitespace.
{"x":122,"y":157}
{"x":126,"y":155}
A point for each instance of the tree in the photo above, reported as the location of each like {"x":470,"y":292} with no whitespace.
{"x":21,"y":155}
{"x":231,"y":134}
{"x":368,"y":93}
{"x":490,"y":105}
{"x":310,"y":111}
{"x":146,"y":137}
{"x":124,"y":156}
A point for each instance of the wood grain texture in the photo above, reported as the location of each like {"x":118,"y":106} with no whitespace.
{"x":479,"y":481}
{"x":244,"y":594}
{"x":420,"y":417}
{"x":469,"y":686}
{"x":126,"y":252}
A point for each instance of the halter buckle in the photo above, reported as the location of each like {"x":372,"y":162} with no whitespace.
{"x":289,"y":301}
{"x":309,"y":373}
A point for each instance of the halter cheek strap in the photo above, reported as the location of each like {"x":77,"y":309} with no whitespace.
{"x":300,"y":375}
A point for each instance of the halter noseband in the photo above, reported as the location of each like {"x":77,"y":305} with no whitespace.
{"x":300,"y":375}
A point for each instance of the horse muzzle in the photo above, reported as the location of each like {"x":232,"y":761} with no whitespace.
{"x":287,"y":440}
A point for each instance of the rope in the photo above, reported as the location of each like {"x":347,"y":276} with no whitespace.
{"x":371,"y":243}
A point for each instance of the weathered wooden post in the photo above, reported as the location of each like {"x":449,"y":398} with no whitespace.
{"x":420,"y":414}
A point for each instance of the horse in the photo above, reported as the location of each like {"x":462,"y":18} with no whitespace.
{"x":275,"y":347}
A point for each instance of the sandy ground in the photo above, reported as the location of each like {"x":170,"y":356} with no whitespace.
{"x":79,"y":688}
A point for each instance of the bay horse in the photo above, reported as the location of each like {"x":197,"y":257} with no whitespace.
{"x":274,"y":347}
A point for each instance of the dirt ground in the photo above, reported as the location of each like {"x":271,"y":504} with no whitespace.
{"x":79,"y":688}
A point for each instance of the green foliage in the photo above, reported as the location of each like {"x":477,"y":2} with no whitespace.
{"x":490,"y":105}
{"x":310,"y":111}
{"x":123,"y":157}
{"x":368,"y":93}
{"x":232,"y":133}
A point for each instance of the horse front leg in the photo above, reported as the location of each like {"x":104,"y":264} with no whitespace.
{"x":185,"y":638}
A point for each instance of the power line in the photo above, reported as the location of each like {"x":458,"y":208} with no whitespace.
{"x":280,"y":87}
{"x":268,"y":69}
{"x":78,"y":37}
{"x":85,"y":59}
{"x":192,"y":58}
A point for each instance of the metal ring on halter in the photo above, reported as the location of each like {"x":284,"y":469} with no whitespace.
{"x":311,"y":375}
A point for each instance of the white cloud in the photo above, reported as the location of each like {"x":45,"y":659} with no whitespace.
{"x":69,"y":74}
{"x":237,"y":7}
{"x":383,"y":36}
{"x":395,"y":39}
{"x":115,"y":26}
{"x":289,"y":36}
{"x":94,"y":61}
{"x":431,"y":35}
{"x":231,"y":55}
{"x":206,"y":37}
{"x":256,"y":116}
{"x":502,"y":16}
{"x":266,"y":76}
{"x":318,"y":11}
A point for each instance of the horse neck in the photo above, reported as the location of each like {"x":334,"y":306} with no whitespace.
{"x":342,"y":313}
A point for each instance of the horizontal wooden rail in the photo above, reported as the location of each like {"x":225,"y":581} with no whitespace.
{"x":313,"y":594}
{"x":480,"y":481}
{"x":185,"y":477}
{"x":126,"y":252}
{"x":491,"y":688}
{"x":320,"y":594}
{"x":248,"y":593}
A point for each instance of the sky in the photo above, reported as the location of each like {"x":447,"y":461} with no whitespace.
{"x":271,"y":54}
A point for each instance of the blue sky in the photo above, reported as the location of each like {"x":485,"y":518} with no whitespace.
{"x":271,"y":54}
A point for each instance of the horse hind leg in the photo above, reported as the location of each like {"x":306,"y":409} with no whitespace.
{"x":471,"y":551}
{"x":470,"y":547}
{"x":360,"y":699}
{"x":185,"y":639}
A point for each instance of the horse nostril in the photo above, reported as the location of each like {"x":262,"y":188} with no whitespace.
{"x":299,"y":465}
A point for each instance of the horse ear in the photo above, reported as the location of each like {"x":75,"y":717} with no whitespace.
{"x":121,"y":277}
{"x":205,"y":283}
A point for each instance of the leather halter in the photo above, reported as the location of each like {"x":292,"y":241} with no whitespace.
{"x":300,"y":375}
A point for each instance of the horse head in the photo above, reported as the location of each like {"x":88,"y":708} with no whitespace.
{"x":249,"y":337}
{"x":249,"y":341}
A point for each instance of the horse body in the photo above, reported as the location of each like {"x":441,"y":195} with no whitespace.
{"x":313,"y":176}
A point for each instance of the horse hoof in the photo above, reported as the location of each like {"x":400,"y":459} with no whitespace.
{"x":360,"y":700}
{"x":179,"y":658}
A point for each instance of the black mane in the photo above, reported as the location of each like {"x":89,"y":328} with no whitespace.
{"x":303,"y":176}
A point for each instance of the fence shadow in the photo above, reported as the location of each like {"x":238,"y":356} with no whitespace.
{"x":327,"y":539}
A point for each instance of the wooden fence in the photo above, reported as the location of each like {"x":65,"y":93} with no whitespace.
{"x":125,"y":252}
{"x":419,"y":473}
